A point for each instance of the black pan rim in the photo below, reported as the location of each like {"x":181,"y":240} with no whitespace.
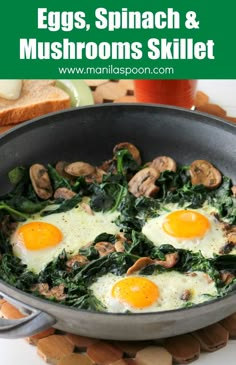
{"x":39,"y":121}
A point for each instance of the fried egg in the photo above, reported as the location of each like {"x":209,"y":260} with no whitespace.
{"x":38,"y":240}
{"x":189,"y":229}
{"x":156,"y":292}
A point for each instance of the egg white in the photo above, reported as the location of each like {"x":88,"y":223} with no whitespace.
{"x":209,"y":244}
{"x":171,"y":285}
{"x":78,"y":228}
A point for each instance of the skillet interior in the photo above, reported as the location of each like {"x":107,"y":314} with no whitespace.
{"x":90,"y":133}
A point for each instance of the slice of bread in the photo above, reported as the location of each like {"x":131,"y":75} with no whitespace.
{"x":37,"y":97}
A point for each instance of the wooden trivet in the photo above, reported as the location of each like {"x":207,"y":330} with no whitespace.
{"x":61,"y":348}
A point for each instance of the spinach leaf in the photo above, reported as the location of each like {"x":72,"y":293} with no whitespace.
{"x":64,"y":206}
{"x":55,"y":272}
{"x":105,"y":237}
{"x":116,"y":263}
{"x":16,"y":175}
{"x":87,"y":301}
{"x":225,"y":262}
{"x":107,"y":196}
{"x":57,"y":180}
{"x":15,"y":273}
{"x":223,"y":200}
{"x":125,"y":162}
{"x":13,"y":212}
{"x":25,"y":205}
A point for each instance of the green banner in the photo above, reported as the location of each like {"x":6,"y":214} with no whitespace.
{"x":118,"y":39}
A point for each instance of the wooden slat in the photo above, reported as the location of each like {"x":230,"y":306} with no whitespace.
{"x":153,"y":355}
{"x":33,"y":340}
{"x":80,"y":342}
{"x":54,"y":348}
{"x":229,"y":324}
{"x":184,"y":348}
{"x":212,"y":338}
{"x":103,"y":353}
{"x":75,"y":359}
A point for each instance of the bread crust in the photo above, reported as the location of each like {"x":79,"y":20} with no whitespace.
{"x":38,"y":97}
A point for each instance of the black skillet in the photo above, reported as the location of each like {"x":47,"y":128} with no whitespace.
{"x":89,"y":134}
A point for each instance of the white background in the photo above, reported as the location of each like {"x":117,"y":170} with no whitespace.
{"x":12,"y":352}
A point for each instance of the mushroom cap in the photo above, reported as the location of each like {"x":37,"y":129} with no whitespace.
{"x":133,"y":150}
{"x":143,"y":182}
{"x":41,"y":181}
{"x":163,"y":163}
{"x":204,"y":173}
{"x":79,"y":168}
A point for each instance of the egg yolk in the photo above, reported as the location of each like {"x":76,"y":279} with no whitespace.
{"x":186,"y":224}
{"x":38,"y":235}
{"x":138,"y":292}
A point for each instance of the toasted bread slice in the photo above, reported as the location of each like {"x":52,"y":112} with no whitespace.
{"x":37,"y":97}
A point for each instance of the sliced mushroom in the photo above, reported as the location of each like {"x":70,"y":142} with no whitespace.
{"x":226,"y":277}
{"x":143,"y":182}
{"x":203,"y":172}
{"x":79,"y":260}
{"x":60,"y":168}
{"x":7,"y":226}
{"x":192,"y":274}
{"x":119,"y":246}
{"x":233,"y":189}
{"x":97,"y":176}
{"x":79,"y":169}
{"x":132,"y":150}
{"x":170,"y":261}
{"x":163,"y":163}
{"x":109,"y":166}
{"x":226,"y":249}
{"x":232,"y":237}
{"x":224,"y":225}
{"x":86,"y":208}
{"x":64,"y":193}
{"x":208,"y":278}
{"x":56,"y":292}
{"x":140,"y":264}
{"x":104,"y":248}
{"x":186,"y":295}
{"x":41,"y":181}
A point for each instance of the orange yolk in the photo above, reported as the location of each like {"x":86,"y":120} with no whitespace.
{"x":138,"y":292}
{"x":186,"y":224}
{"x":38,"y":235}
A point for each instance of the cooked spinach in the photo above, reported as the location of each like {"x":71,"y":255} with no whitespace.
{"x":111,"y":195}
{"x":57,"y":180}
{"x":64,"y":206}
{"x":125,"y":162}
{"x":107,"y":196}
{"x":15,"y":273}
{"x":16,"y":174}
{"x":224,"y":202}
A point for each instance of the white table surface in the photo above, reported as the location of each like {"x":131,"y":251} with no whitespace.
{"x":12,"y":352}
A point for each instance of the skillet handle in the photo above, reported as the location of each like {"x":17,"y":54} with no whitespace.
{"x":35,"y":322}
